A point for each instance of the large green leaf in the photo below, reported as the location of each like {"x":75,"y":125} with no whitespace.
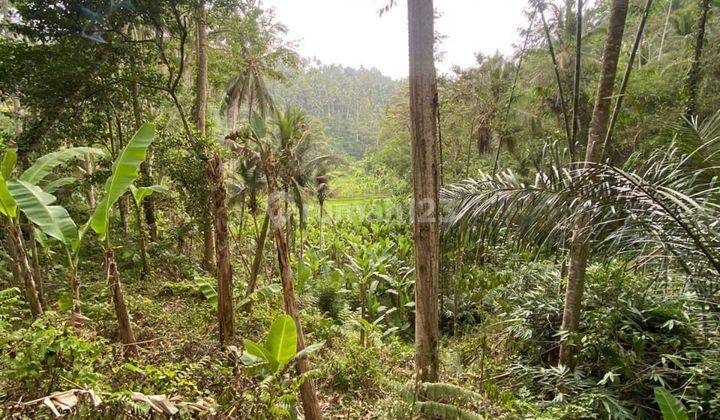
{"x":671,"y":407}
{"x":124,"y":173}
{"x":37,"y":206}
{"x":139,"y":194}
{"x":258,"y":351}
{"x":281,"y":341}
{"x":45,"y":165}
{"x":8,"y":206}
{"x":8,"y":163}
{"x":53,"y":186}
{"x":309,"y":350}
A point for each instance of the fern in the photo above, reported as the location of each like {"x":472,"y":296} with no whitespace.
{"x":448,"y":401}
{"x":204,"y":285}
{"x":438,"y":410}
{"x":449,"y":393}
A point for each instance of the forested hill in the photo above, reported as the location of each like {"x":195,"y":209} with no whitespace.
{"x":350,"y":102}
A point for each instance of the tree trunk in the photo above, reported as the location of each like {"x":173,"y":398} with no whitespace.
{"x":17,"y":277}
{"x":202,"y":68}
{"x":233,"y":109}
{"x":665,"y":27}
{"x":626,"y":79}
{"x":423,"y":97}
{"x":89,"y":169}
{"x":35,"y":255}
{"x":121,"y":312}
{"x":577,"y":78}
{"x":693,"y":78}
{"x":17,"y":251}
{"x":222,"y":248}
{"x":141,"y":241}
{"x":580,"y":247}
{"x":311,"y":407}
{"x":257,"y":260}
{"x":145,"y":168}
{"x":558,"y":79}
{"x":200,"y":123}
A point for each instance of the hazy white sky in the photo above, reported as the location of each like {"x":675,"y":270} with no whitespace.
{"x":351,"y":33}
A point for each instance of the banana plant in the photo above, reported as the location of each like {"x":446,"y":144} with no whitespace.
{"x":671,"y":407}
{"x":25,"y":195}
{"x":53,"y":220}
{"x":369,"y":264}
{"x":139,"y":194}
{"x":124,"y":172}
{"x":279,"y":347}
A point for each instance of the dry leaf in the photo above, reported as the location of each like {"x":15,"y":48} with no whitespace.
{"x":77,"y":320}
{"x":65,"y":400}
{"x":95,"y":399}
{"x":167,"y":406}
{"x":159,"y":403}
{"x":51,"y":406}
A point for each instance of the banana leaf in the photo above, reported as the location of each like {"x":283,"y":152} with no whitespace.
{"x":37,"y":206}
{"x":8,"y":206}
{"x":124,"y":173}
{"x":45,"y":165}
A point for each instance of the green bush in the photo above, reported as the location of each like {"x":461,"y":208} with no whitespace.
{"x":632,"y":339}
{"x":354,"y":368}
{"x":12,"y":308}
{"x":49,"y":356}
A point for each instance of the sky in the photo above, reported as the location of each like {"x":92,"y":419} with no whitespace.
{"x":350,"y":32}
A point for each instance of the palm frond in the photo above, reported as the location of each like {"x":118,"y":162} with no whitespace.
{"x":663,"y":204}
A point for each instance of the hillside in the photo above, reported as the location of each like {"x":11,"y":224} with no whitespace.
{"x":350,"y":102}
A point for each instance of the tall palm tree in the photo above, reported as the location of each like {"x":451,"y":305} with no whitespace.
{"x":249,"y":87}
{"x":301,"y":158}
{"x":278,"y":149}
{"x":257,"y":49}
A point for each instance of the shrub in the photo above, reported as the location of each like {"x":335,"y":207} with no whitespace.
{"x":48,"y":356}
{"x":354,"y":368}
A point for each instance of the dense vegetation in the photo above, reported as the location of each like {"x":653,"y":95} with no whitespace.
{"x":196,"y":221}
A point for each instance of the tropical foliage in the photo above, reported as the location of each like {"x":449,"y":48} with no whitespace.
{"x":196,"y":221}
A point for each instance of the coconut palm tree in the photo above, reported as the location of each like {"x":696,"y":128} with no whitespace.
{"x":301,"y":156}
{"x":256,"y":45}
{"x":280,"y":150}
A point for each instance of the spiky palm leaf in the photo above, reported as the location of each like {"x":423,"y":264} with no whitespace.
{"x":661,"y":206}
